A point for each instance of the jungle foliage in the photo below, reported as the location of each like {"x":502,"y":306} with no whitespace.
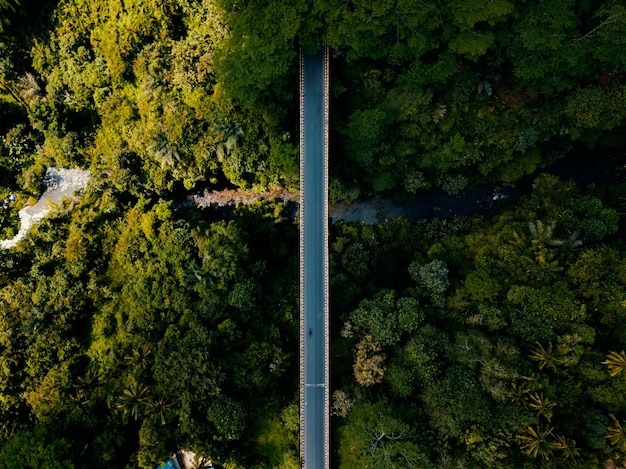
{"x":130,"y":327}
{"x":136,"y":89}
{"x":483,"y":343}
{"x":167,"y":94}
{"x":133,"y":330}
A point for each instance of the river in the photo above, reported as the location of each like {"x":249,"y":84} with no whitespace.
{"x":608,"y":167}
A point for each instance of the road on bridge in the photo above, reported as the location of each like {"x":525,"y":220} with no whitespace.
{"x":314,"y":327}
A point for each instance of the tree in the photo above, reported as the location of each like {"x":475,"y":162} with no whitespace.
{"x":433,"y":277}
{"x":373,"y":436}
{"x":616,"y":363}
{"x":541,"y":62}
{"x":598,"y":108}
{"x":417,"y":363}
{"x":369,"y":366}
{"x":153,"y":445}
{"x":546,"y":357}
{"x":341,"y":403}
{"x":474,"y":39}
{"x":605,"y":31}
{"x":134,"y":400}
{"x":386,"y":319}
{"x":260,"y":41}
{"x":278,"y":438}
{"x":615,"y":433}
{"x":37,"y":448}
{"x":228,"y":416}
{"x":566,"y":446}
{"x":161,"y":408}
{"x":367,"y":133}
{"x":541,"y":404}
{"x":535,"y":442}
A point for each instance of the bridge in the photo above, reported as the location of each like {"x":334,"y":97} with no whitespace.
{"x":314,"y":308}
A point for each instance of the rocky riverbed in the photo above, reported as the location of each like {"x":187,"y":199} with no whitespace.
{"x":59,"y":183}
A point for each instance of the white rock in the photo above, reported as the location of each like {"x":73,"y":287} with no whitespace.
{"x":60,"y":183}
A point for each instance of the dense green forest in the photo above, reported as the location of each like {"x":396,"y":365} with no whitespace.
{"x":131,"y":327}
{"x":483,"y":343}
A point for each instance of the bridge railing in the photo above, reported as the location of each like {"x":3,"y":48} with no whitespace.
{"x":326,"y":261}
{"x":302,"y":202}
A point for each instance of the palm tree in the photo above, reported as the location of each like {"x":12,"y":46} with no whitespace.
{"x":542,"y":234}
{"x":542,"y":238}
{"x":566,"y":446}
{"x":160,"y":408}
{"x":162,"y":150}
{"x":565,"y":344}
{"x":615,"y":433}
{"x":541,"y":404}
{"x":545,"y":357}
{"x":133,"y":399}
{"x":519,"y":392}
{"x":572,"y":242}
{"x":616,"y":361}
{"x":85,"y":386}
{"x":231,"y":132}
{"x":89,"y":381}
{"x":535,"y":442}
{"x":140,"y":356}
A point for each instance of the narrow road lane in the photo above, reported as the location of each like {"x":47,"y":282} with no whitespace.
{"x":314,"y":327}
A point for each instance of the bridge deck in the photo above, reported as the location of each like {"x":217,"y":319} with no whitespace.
{"x":314,"y":309}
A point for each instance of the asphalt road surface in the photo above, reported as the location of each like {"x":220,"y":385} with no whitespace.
{"x":314,"y":263}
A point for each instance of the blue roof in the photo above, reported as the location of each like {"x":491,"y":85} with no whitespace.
{"x":169,"y":464}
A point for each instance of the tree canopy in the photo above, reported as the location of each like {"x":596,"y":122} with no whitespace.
{"x":516,"y":330}
{"x":132,"y":325}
